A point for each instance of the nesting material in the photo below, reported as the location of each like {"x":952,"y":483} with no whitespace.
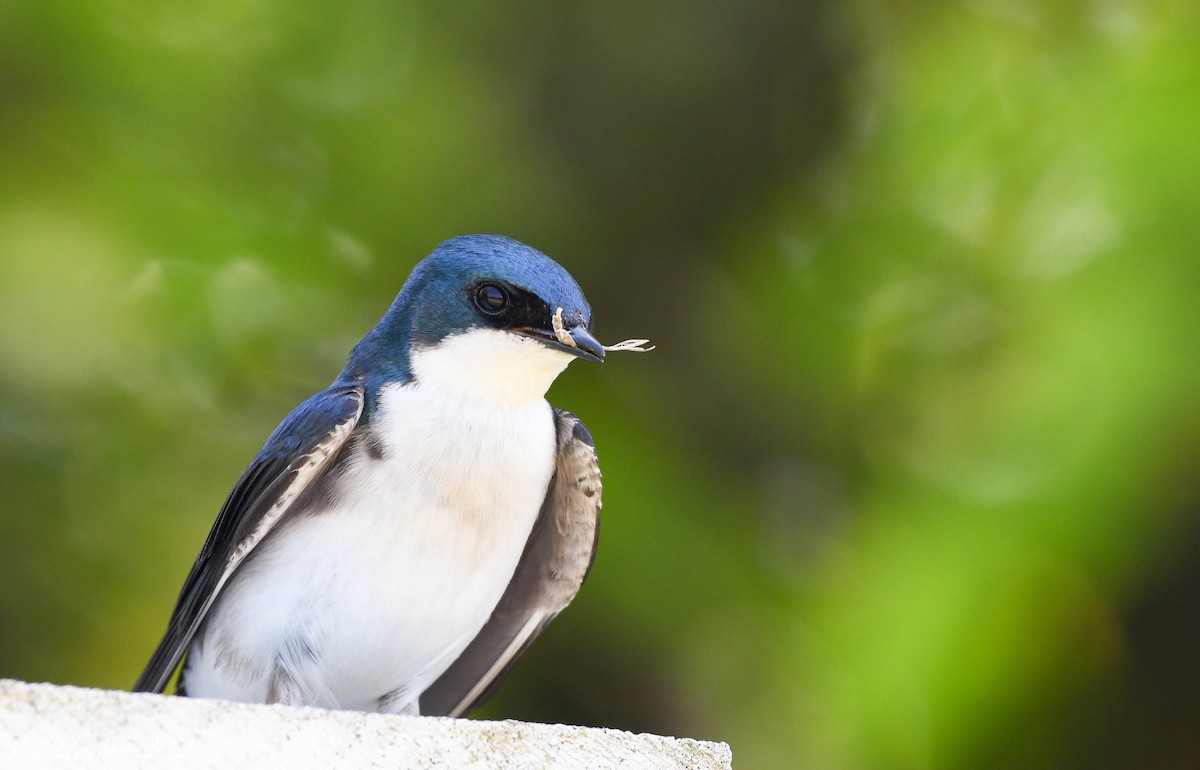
{"x":564,"y":336}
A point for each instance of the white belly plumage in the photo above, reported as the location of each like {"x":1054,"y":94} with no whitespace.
{"x":376,"y":595}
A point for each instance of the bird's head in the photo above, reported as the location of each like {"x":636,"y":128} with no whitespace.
{"x":488,"y":317}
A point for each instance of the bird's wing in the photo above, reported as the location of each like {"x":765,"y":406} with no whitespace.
{"x":557,"y":558}
{"x":299,"y":451}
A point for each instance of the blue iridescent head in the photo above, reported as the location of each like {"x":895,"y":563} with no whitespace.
{"x":481,"y":296}
{"x":495,"y":282}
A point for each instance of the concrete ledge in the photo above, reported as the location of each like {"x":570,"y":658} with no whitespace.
{"x":48,"y":726}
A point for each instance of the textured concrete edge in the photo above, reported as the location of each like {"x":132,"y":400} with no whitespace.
{"x":55,"y":725}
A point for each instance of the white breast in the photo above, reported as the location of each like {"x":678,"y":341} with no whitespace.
{"x":381,"y":592}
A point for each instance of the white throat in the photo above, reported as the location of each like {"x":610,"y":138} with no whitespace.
{"x":490,"y":365}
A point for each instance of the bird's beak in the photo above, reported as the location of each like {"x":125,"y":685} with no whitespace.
{"x":586,"y":346}
{"x":576,"y":340}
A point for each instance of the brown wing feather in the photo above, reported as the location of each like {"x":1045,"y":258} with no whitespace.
{"x":557,"y":559}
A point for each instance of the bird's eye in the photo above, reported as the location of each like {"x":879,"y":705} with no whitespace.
{"x":491,"y":299}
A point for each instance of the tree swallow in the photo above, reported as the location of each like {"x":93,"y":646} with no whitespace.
{"x":405,"y":534}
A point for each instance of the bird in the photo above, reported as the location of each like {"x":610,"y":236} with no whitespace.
{"x":405,"y":534}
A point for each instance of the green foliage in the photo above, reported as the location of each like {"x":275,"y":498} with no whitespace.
{"x":907,"y":483}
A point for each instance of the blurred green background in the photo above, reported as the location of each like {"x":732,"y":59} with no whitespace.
{"x":911,"y":480}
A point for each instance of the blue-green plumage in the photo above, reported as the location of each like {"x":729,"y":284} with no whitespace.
{"x":388,"y":545}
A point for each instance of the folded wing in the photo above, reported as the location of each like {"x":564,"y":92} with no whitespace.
{"x":294,"y":458}
{"x":557,"y":558}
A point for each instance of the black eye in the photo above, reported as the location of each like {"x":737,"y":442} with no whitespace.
{"x":491,"y":299}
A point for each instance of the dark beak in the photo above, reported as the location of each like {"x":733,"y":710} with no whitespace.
{"x":586,"y":346}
